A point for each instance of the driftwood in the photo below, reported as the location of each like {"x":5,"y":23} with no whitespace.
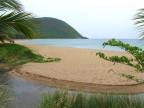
{"x":4,"y":38}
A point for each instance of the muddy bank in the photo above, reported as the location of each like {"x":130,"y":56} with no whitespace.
{"x":5,"y":67}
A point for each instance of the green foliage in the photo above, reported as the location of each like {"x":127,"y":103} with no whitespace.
{"x":16,"y":19}
{"x":139,"y":22}
{"x":130,"y":77}
{"x":15,"y":54}
{"x":55,"y":28}
{"x":21,"y":22}
{"x":138,"y":54}
{"x":65,"y":99}
{"x":137,"y":61}
{"x":51,"y":28}
{"x":10,"y":5}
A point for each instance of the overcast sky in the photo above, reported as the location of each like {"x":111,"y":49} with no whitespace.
{"x":91,"y":18}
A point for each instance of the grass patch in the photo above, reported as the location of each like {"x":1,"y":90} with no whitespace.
{"x":67,"y":99}
{"x":14,"y":54}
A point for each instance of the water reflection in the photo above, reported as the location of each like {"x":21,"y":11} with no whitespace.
{"x":27,"y":94}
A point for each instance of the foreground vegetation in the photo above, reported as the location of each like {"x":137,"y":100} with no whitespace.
{"x":137,"y":61}
{"x":14,"y":54}
{"x":67,"y":99}
{"x":14,"y":18}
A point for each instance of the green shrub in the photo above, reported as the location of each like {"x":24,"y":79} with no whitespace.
{"x":137,"y":61}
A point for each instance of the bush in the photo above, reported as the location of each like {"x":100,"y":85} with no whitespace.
{"x":137,"y":62}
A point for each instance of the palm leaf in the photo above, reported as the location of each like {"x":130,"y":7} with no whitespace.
{"x":139,"y":22}
{"x":21,"y":22}
{"x":10,"y":5}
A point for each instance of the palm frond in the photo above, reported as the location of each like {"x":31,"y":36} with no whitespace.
{"x":10,"y":5}
{"x":21,"y":22}
{"x":139,"y":22}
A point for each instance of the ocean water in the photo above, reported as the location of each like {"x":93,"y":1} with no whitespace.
{"x":83,"y":43}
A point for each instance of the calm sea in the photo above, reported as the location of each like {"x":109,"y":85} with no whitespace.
{"x":83,"y":43}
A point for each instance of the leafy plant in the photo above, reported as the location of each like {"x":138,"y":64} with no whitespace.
{"x":10,"y":5}
{"x":138,"y":56}
{"x":139,"y":22}
{"x":13,"y":18}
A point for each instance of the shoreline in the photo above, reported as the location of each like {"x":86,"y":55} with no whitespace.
{"x":19,"y":41}
{"x":79,"y":69}
{"x":79,"y":86}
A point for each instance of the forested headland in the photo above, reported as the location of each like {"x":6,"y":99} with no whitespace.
{"x":51,"y":28}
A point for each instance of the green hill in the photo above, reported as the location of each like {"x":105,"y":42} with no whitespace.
{"x":55,"y":28}
{"x":51,"y":28}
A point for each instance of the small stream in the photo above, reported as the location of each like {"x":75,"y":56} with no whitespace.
{"x":26,"y":94}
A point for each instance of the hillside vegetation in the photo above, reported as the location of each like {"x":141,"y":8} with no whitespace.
{"x":53,"y":28}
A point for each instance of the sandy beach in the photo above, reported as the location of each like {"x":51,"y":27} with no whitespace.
{"x":80,"y":69}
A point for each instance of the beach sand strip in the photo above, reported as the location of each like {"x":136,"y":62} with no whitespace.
{"x":80,"y":69}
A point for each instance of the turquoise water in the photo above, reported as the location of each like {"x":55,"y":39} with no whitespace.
{"x":83,"y":43}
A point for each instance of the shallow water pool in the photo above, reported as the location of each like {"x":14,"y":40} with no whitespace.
{"x":26,"y":94}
